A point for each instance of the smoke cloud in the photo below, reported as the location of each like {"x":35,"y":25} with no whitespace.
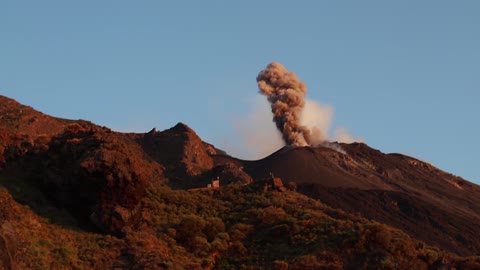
{"x":317,"y":118}
{"x":302,"y":122}
{"x":286,"y":94}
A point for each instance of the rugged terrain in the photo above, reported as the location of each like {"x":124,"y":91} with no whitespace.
{"x":74,"y":195}
{"x":429,"y":204}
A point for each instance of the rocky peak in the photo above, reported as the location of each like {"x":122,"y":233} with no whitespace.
{"x":179,"y":149}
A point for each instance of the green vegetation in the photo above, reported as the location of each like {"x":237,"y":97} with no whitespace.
{"x":236,"y":227}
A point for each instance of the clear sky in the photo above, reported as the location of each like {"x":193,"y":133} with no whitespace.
{"x":402,"y":75}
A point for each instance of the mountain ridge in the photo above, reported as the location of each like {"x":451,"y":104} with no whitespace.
{"x":334,"y":178}
{"x":102,"y":177}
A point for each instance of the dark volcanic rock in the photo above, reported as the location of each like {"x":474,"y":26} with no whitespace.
{"x":427,"y":203}
{"x":98,"y":174}
{"x":324,"y":165}
{"x":180,"y":150}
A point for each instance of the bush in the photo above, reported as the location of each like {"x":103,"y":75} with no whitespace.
{"x":280,"y":265}
{"x":199,"y":246}
{"x":291,"y":186}
{"x":189,"y":227}
{"x":306,"y":262}
{"x":213,"y":227}
{"x":469,"y":263}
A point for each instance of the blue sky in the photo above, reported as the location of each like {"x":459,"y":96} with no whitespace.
{"x":402,"y":75}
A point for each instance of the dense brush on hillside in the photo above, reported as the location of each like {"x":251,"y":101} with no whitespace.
{"x":236,"y":227}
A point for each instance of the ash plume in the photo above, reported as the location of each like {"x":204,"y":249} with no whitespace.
{"x":286,"y":94}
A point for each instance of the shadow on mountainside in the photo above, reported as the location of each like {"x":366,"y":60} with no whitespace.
{"x":25,"y":192}
{"x":86,"y":177}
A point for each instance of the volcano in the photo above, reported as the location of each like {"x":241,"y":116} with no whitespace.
{"x":101,"y":181}
{"x":428,"y":203}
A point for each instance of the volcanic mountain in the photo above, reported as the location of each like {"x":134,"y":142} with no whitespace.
{"x":102,"y":181}
{"x":432,"y":205}
{"x":98,"y":174}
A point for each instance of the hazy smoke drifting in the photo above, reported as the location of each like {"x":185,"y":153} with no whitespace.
{"x":256,"y":134}
{"x":319,"y":117}
{"x":286,"y":94}
{"x":342,"y":135}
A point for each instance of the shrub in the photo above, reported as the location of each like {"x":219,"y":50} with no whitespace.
{"x":199,"y":246}
{"x":190,"y":226}
{"x":291,"y":186}
{"x":213,"y":227}
{"x":280,"y":265}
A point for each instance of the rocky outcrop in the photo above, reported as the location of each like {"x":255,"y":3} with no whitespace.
{"x":21,"y":119}
{"x":230,"y":173}
{"x":98,"y":174}
{"x":21,"y":127}
{"x":179,"y":149}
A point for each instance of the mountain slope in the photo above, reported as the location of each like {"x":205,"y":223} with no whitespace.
{"x":434,"y":206}
{"x":97,"y":174}
{"x":77,"y":195}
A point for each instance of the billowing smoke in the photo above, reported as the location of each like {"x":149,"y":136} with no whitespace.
{"x":286,"y":94}
{"x":301,"y":121}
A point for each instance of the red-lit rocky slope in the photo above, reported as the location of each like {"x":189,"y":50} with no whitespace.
{"x":97,"y":174}
{"x":99,"y":177}
{"x":429,"y":204}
